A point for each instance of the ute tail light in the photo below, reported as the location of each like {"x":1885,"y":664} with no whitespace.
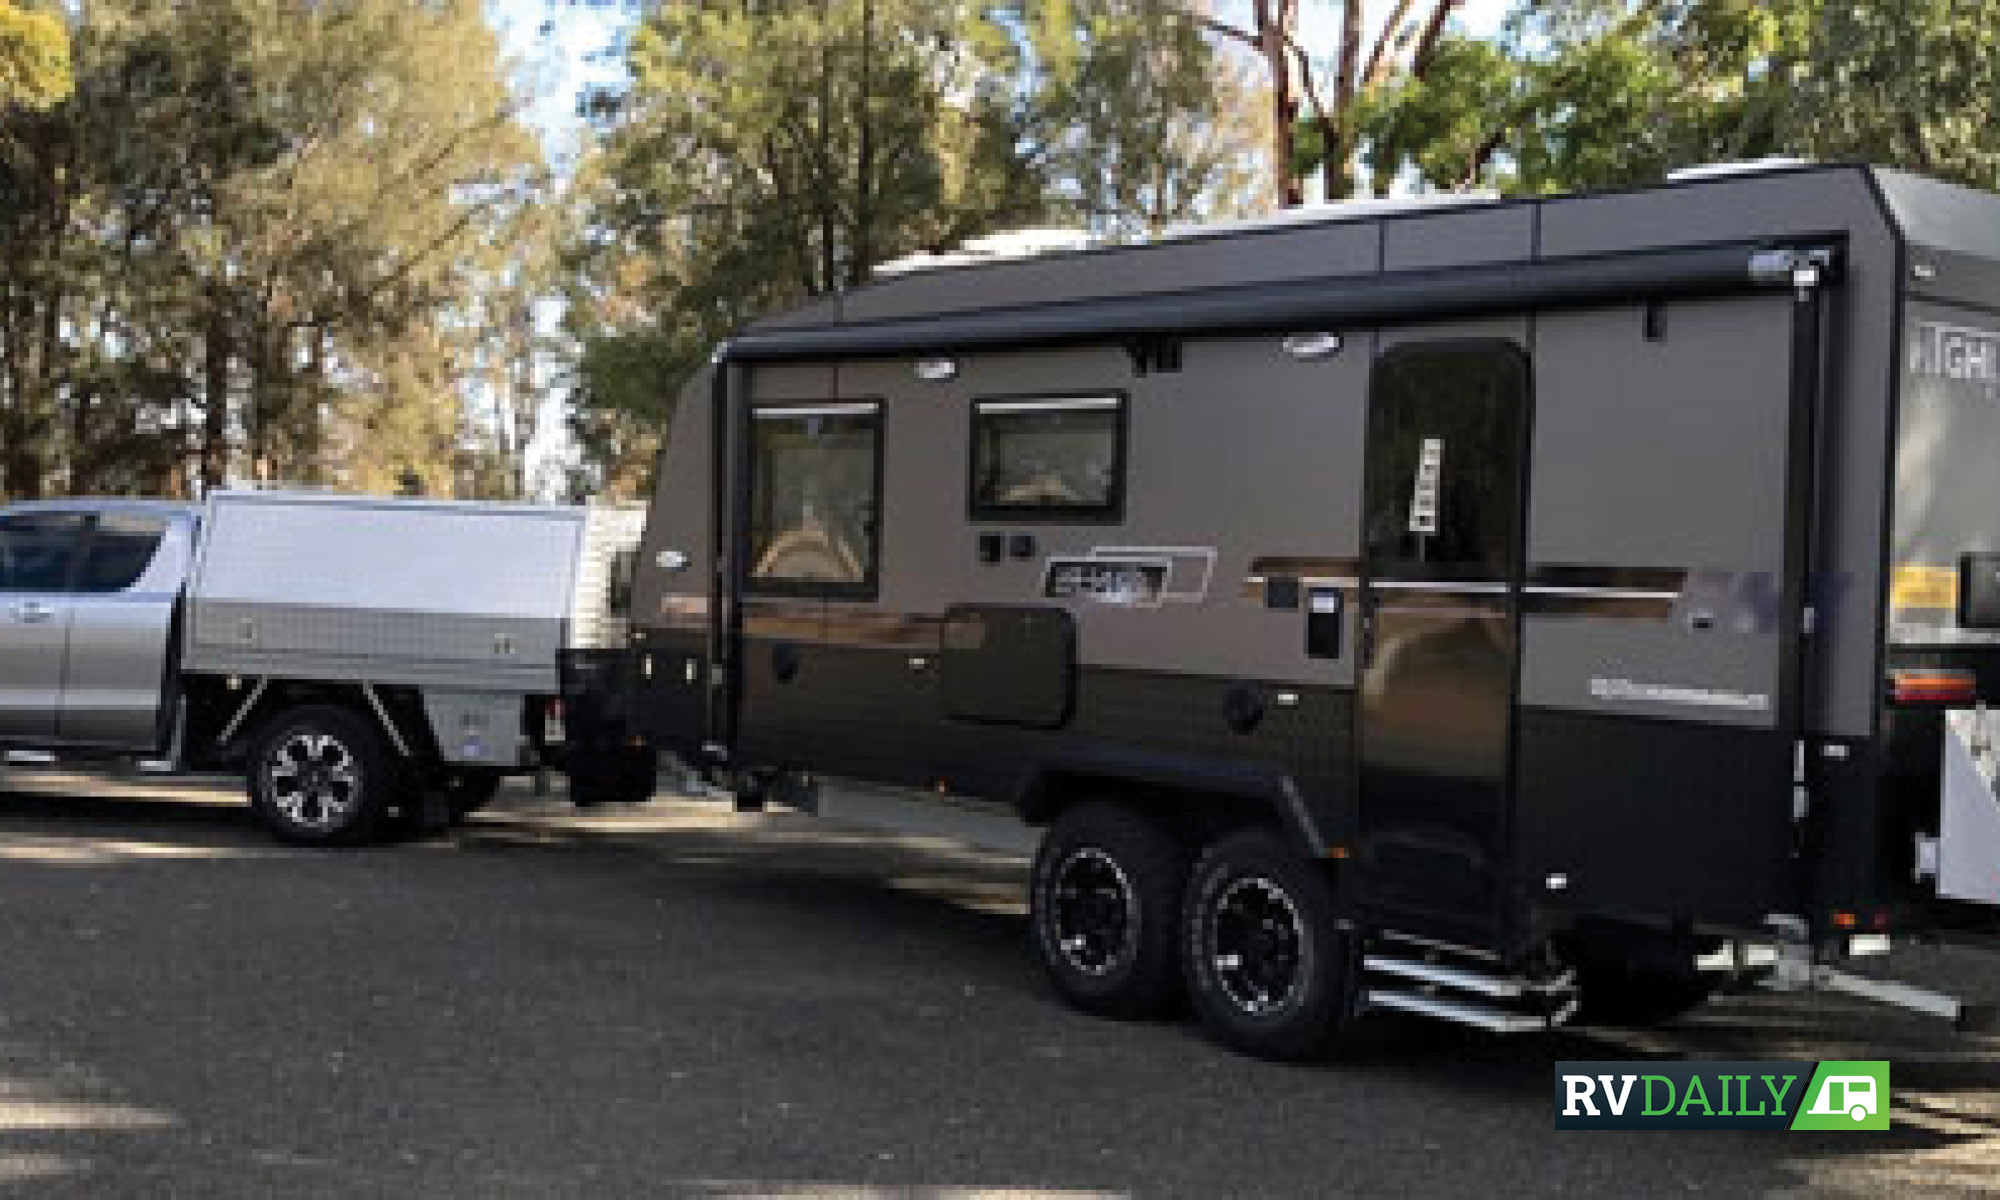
{"x":1932,"y":687}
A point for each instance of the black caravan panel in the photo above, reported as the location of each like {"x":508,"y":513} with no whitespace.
{"x":1442,"y":537}
{"x":1009,"y":665}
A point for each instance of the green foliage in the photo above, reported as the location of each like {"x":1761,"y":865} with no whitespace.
{"x":776,"y":153}
{"x":1142,"y":120}
{"x":34,"y":57}
{"x":1580,"y":94}
{"x":1914,"y":83}
{"x":257,"y":242}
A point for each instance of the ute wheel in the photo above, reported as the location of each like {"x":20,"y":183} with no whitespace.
{"x":1104,"y":906}
{"x":1267,"y":962}
{"x":466,"y":790}
{"x":323,"y":776}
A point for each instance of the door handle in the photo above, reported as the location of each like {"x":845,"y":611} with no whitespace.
{"x":31,"y":613}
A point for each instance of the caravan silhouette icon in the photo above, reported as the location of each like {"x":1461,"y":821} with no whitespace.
{"x":1854,"y":1094}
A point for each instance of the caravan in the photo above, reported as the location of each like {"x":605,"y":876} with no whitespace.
{"x":1489,"y":610}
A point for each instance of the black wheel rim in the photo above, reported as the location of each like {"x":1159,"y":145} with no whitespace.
{"x":313,"y":780}
{"x":1257,"y":945}
{"x":1094,"y":912}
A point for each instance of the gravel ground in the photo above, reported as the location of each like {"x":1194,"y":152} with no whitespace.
{"x":678,"y":1000}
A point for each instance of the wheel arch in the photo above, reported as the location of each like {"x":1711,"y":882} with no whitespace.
{"x":398,"y":713}
{"x":1199,"y":799}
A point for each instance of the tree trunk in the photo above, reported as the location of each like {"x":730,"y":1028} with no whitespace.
{"x":1337,"y":171}
{"x":1271,"y":31}
{"x":861,"y":251}
{"x":215,"y":403}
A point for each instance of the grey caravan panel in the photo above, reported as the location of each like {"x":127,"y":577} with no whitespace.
{"x":1306,"y":252}
{"x":851,"y":686}
{"x":1861,"y":361}
{"x":673,"y":587}
{"x":1207,"y":489}
{"x":1947,"y":470}
{"x":1211,"y":484}
{"x":1503,"y":233}
{"x":1658,"y":500}
{"x":1954,"y":237}
{"x":672,"y":592}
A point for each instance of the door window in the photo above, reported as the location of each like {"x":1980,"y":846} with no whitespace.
{"x":122,"y":546}
{"x":38,"y":551}
{"x":815,"y":491}
{"x":1444,"y":488}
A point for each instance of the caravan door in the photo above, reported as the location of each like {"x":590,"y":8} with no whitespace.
{"x":1441,"y":571}
{"x":1659,"y":698}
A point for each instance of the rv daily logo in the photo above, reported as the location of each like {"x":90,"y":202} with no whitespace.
{"x":1722,"y":1095}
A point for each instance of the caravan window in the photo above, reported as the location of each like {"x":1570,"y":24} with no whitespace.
{"x":815,"y":486}
{"x":1057,"y":458}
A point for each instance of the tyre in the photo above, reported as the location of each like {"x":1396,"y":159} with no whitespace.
{"x":1104,"y":906}
{"x":466,"y":790}
{"x":1267,"y":963}
{"x":322,"y":775}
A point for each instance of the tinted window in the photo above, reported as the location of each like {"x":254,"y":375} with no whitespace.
{"x":121,"y":547}
{"x":37,"y":551}
{"x":814,"y":486}
{"x":1444,"y":460}
{"x":1055,"y":458}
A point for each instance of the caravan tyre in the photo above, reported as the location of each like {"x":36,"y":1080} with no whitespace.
{"x":322,"y":775}
{"x":1104,"y":905}
{"x":1267,"y":962}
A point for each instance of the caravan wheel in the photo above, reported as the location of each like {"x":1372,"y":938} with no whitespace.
{"x":1106,"y":892}
{"x":1267,"y":963}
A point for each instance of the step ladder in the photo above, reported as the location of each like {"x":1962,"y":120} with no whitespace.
{"x":1403,"y":973}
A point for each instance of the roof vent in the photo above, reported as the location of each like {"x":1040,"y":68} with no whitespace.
{"x":1724,"y":170}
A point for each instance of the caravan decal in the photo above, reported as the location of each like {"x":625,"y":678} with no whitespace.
{"x":1131,"y":576}
{"x":1662,"y":693}
{"x":1957,"y":353}
{"x":1123,"y":582}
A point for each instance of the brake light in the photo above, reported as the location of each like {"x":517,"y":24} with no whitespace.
{"x":1933,"y":687}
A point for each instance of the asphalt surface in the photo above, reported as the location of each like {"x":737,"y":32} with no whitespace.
{"x":682,"y":1001}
